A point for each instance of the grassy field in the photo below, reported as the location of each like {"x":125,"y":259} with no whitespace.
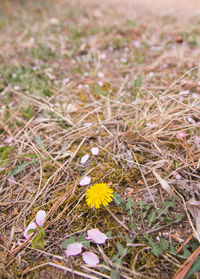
{"x":77,"y":75}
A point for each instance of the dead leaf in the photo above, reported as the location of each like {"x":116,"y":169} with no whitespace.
{"x":15,"y":212}
{"x":194,"y":208}
{"x":186,"y":187}
{"x":166,"y":187}
{"x":140,"y":182}
{"x":71,"y":108}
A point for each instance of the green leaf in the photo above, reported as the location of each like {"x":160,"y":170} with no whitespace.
{"x":5,"y":147}
{"x":121,"y":249}
{"x":129,"y":207}
{"x":169,"y":203}
{"x":133,"y":226}
{"x":128,"y":240}
{"x":38,"y":240}
{"x":115,"y":274}
{"x":5,"y":151}
{"x":81,"y":238}
{"x":68,"y":241}
{"x":178,"y":217}
{"x":116,"y":259}
{"x":30,"y":231}
{"x":39,"y":142}
{"x":152,"y":217}
{"x":117,"y":199}
{"x":195,"y":268}
{"x":86,"y":243}
{"x":138,"y":81}
{"x":172,"y":250}
{"x":109,"y":234}
{"x":142,"y":205}
{"x":129,"y":204}
{"x":186,"y":253}
{"x":101,"y":92}
{"x":20,"y":168}
{"x":156,"y":249}
{"x":164,"y":244}
{"x":5,"y":154}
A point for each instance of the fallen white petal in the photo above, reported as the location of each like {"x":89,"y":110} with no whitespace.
{"x":85,"y":158}
{"x":90,"y":258}
{"x":196,"y":139}
{"x":100,"y":83}
{"x":16,"y":87}
{"x":181,"y":135}
{"x":54,"y":21}
{"x":177,"y":175}
{"x":12,"y":180}
{"x":95,"y":151}
{"x":73,"y":249}
{"x":85,"y":181}
{"x":100,"y":74}
{"x":96,"y":236}
{"x":8,"y":140}
{"x":184,"y":92}
{"x":103,"y":56}
{"x":191,"y":120}
{"x":65,"y":81}
{"x":87,"y":124}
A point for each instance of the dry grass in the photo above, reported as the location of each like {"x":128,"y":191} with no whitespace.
{"x":41,"y":44}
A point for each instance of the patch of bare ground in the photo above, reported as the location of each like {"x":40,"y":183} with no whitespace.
{"x":122,"y":76}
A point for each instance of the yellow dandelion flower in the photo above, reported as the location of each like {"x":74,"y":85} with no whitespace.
{"x":99,"y":194}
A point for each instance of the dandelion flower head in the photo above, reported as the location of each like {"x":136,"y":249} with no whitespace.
{"x":99,"y":194}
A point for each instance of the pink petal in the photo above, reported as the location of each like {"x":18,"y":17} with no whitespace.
{"x":100,"y":74}
{"x":31,"y":226}
{"x":12,"y":180}
{"x":191,"y":120}
{"x":95,"y":151}
{"x":184,"y":92}
{"x":196,"y":139}
{"x":73,"y":249}
{"x":87,"y":124}
{"x":181,"y":135}
{"x":85,"y":181}
{"x":40,"y":217}
{"x":177,"y":175}
{"x":8,"y":140}
{"x":90,"y":258}
{"x":85,"y":158}
{"x":96,"y":236}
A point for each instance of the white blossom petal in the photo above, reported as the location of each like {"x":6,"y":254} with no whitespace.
{"x":8,"y":140}
{"x":85,"y":158}
{"x":191,"y":120}
{"x":87,"y":124}
{"x":100,"y":74}
{"x":90,"y":258}
{"x":177,"y":175}
{"x":73,"y":249}
{"x":95,"y":151}
{"x":184,"y":92}
{"x":96,"y":236}
{"x":181,"y":135}
{"x":85,"y":181}
{"x":196,"y":139}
